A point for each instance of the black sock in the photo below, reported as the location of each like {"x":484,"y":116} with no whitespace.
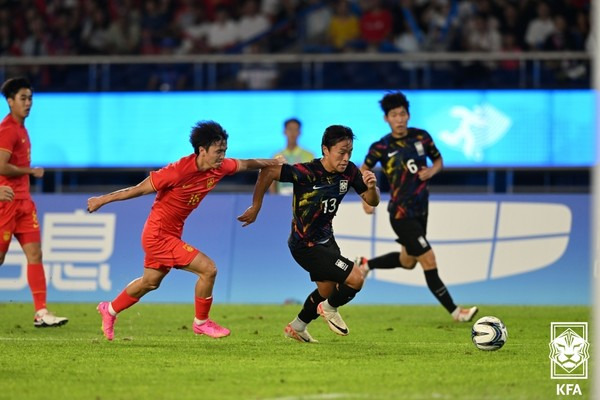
{"x":341,"y":295}
{"x":309,"y":311}
{"x":439,"y":290}
{"x":386,"y":261}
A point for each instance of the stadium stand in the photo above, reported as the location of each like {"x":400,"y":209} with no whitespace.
{"x":171,"y":45}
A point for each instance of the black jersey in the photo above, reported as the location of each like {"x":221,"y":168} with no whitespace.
{"x":400,"y":160}
{"x":317,"y":196}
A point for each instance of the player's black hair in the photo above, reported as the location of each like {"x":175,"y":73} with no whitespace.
{"x":12,"y":86}
{"x":335,"y":134}
{"x":394,"y":100}
{"x":206,"y":133}
{"x":296,"y":120}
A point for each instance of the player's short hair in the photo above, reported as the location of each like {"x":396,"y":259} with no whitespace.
{"x":335,"y":134}
{"x":394,"y":100}
{"x":290,"y":120}
{"x":205,"y":134}
{"x":12,"y":86}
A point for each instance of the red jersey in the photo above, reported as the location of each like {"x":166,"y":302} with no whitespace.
{"x":180,"y":188}
{"x":15,"y":140}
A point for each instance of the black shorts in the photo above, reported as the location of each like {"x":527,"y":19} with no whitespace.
{"x":411,"y":234}
{"x":323,"y":262}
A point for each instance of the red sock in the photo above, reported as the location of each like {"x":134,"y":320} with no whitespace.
{"x":203,"y":307}
{"x":123,"y":301}
{"x":37,"y":285}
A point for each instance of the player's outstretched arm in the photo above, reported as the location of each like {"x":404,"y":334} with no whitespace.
{"x":142,"y":188}
{"x":369,"y":209}
{"x":258,"y":163}
{"x":371,"y":197}
{"x":266,"y":176}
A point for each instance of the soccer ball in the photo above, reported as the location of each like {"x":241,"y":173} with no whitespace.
{"x":489,"y":333}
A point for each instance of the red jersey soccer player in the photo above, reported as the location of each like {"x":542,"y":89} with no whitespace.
{"x":180,"y":188}
{"x":19,"y":216}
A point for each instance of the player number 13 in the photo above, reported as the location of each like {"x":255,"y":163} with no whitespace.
{"x":329,"y":205}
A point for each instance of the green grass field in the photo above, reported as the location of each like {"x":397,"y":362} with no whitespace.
{"x":392,"y":352}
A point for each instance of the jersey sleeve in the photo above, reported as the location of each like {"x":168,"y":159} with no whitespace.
{"x":230,"y":166}
{"x":374,"y":155}
{"x":432,"y":151}
{"x":297,"y":173}
{"x":165,"y":177}
{"x":357,"y":181}
{"x":8,"y":138}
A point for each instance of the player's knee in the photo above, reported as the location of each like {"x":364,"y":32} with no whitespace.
{"x":148,"y":286}
{"x":209,"y":270}
{"x":2,"y":256}
{"x":356,"y":279}
{"x":428,"y":261}
{"x":406,"y":261}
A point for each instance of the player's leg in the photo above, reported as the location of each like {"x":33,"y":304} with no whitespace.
{"x":8,"y":211}
{"x":391,"y":260}
{"x":297,"y":328}
{"x":337,"y":282}
{"x":349,"y":279}
{"x":342,"y":294}
{"x":394,"y":259}
{"x":27,"y":232}
{"x":135,"y":290}
{"x":439,"y":290}
{"x":204,"y":267}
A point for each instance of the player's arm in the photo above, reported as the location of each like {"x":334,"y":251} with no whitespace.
{"x":142,"y":188}
{"x":8,"y":169}
{"x":258,"y":163}
{"x":266,"y":177}
{"x":368,"y":207}
{"x":426,"y":173}
{"x":371,"y":197}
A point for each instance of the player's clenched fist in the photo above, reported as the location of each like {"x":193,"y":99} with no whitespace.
{"x":369,"y":179}
{"x":94,"y":204}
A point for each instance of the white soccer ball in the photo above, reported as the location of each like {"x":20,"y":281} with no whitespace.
{"x":489,"y":333}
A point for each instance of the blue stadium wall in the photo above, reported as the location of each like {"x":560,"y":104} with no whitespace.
{"x":491,"y":249}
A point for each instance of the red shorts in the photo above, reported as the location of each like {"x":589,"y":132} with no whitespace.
{"x":167,"y":251}
{"x":19,"y":218}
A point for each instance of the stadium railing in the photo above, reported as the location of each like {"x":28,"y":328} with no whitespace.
{"x":450,"y":70}
{"x":529,"y":70}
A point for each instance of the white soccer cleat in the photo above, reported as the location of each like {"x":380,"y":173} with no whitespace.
{"x":334,"y":320}
{"x":45,"y":319}
{"x":300,"y":336}
{"x":465,"y":314}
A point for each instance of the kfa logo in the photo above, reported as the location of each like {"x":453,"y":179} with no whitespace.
{"x":569,"y":350}
{"x":568,"y":389}
{"x":343,"y":186}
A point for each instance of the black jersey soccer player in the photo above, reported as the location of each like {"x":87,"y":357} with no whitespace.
{"x":319,"y":187}
{"x":403,"y":155}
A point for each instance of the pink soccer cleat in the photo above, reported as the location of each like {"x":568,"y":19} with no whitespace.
{"x":211,"y":328}
{"x":108,"y":321}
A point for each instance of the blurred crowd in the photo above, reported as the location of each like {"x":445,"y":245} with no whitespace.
{"x":150,"y":27}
